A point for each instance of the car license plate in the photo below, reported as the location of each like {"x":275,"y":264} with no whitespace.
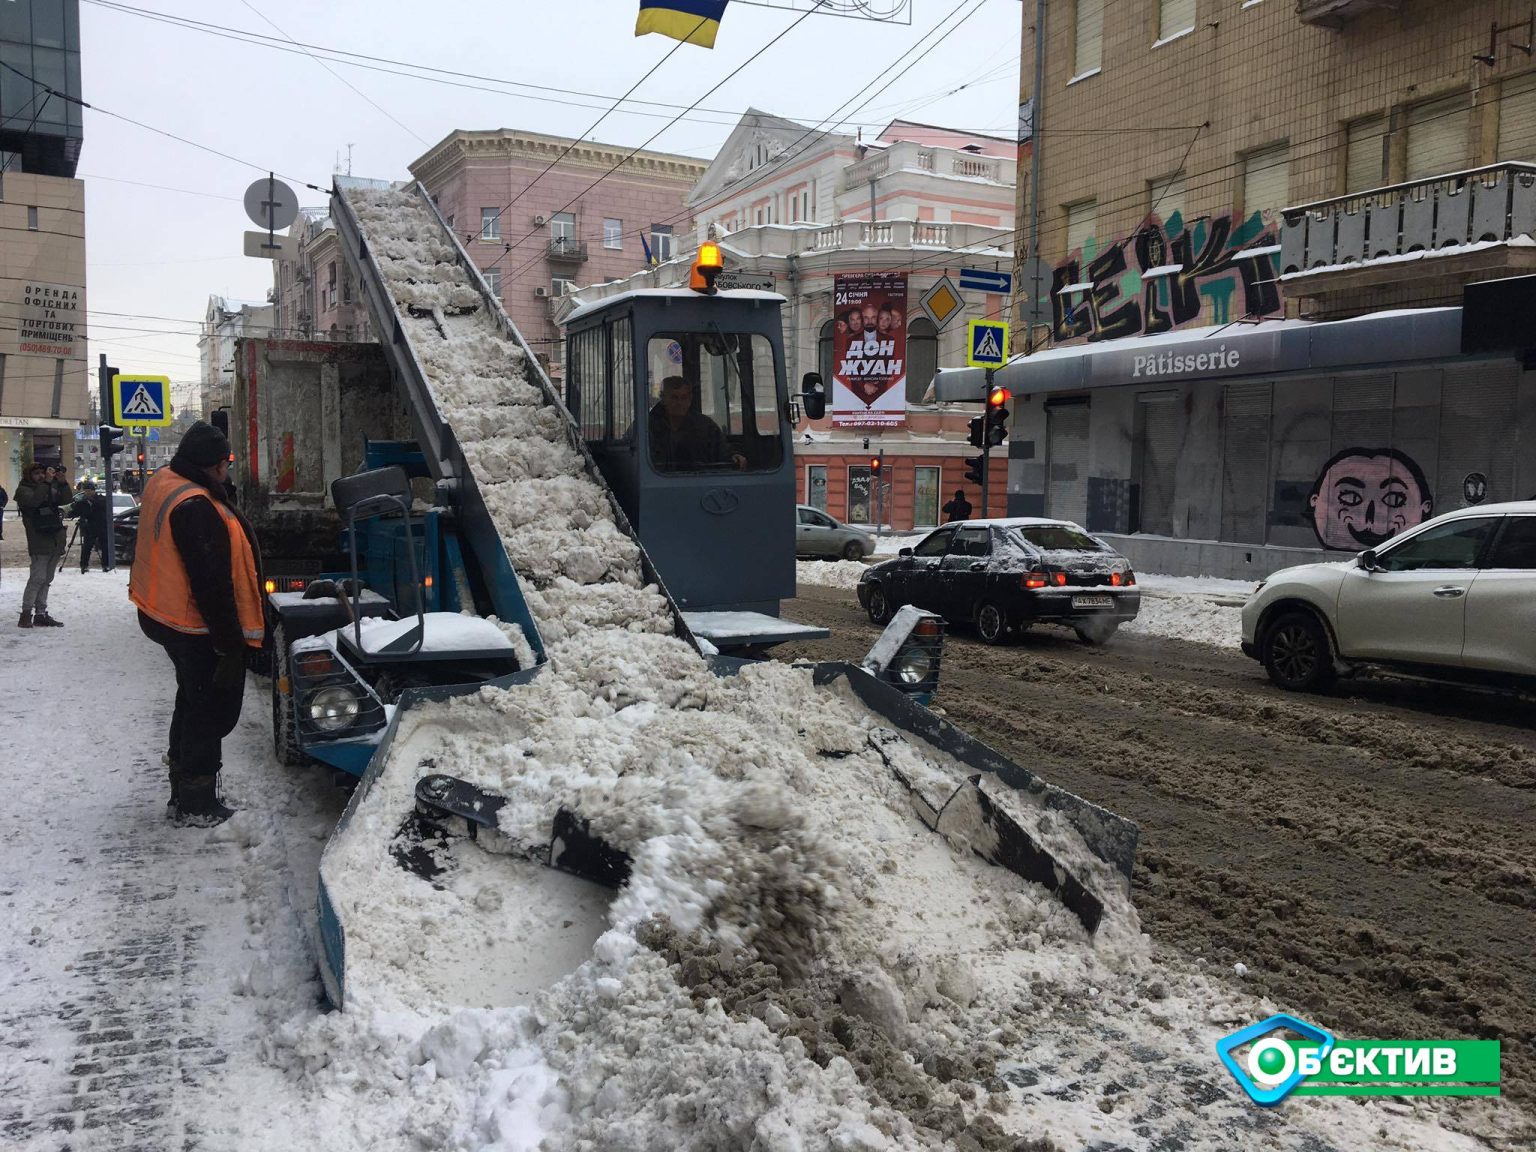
{"x":1093,"y":601}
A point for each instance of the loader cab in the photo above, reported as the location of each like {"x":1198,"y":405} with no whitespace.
{"x":682,"y":401}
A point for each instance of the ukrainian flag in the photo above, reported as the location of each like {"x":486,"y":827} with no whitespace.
{"x":691,"y":21}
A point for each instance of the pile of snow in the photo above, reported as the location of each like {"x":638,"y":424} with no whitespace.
{"x":796,"y":961}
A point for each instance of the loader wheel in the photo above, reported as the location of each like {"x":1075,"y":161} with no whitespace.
{"x":285,"y":741}
{"x":880,"y":611}
{"x":991,"y":623}
{"x":1297,"y":654}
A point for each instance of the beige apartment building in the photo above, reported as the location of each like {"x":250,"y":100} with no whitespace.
{"x":1257,"y":222}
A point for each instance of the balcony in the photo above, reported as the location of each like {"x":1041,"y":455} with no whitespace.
{"x":854,"y":235}
{"x":1337,"y":13}
{"x":567,"y":249}
{"x":908,"y":157}
{"x":1441,"y":232}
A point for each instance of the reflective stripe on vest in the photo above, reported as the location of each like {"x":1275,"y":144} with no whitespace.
{"x":159,"y":584}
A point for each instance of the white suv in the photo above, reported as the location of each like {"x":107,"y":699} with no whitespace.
{"x":1453,"y":599}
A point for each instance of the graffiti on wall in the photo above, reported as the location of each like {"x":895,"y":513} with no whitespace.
{"x":1365,"y":496}
{"x":1218,"y":279}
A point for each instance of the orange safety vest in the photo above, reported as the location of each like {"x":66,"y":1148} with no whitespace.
{"x":159,"y":584}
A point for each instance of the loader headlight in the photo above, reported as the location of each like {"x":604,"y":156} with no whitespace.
{"x":913,"y":666}
{"x":332,"y":709}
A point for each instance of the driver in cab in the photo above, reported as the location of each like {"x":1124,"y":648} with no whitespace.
{"x":683,"y":439}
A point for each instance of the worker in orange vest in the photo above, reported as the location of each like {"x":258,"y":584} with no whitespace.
{"x":197,"y":584}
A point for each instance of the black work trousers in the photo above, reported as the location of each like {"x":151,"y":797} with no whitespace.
{"x":91,"y":542}
{"x":206,"y":710}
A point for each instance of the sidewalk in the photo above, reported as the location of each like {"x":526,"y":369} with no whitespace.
{"x":143,"y":963}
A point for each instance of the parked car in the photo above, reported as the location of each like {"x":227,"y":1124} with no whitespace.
{"x":1452,"y":599}
{"x":817,"y":534}
{"x":122,"y":502}
{"x":1004,"y":575}
{"x":125,"y":530}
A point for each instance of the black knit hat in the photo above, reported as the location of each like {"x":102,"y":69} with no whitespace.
{"x":203,"y":446}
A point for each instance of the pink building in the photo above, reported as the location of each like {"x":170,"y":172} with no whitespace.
{"x":537,"y":235}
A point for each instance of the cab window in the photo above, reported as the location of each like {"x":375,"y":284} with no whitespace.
{"x":972,"y":542}
{"x":713,"y":403}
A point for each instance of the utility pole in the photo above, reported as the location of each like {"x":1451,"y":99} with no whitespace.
{"x":1033,"y":266}
{"x":986,"y":453}
{"x":104,"y":378}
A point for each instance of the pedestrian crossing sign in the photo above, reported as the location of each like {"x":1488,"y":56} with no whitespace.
{"x":144,"y":400}
{"x":986,"y":344}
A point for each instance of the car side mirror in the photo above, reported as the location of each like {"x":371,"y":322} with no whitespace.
{"x":1367,"y":560}
{"x":813,"y":396}
{"x":905,"y":552}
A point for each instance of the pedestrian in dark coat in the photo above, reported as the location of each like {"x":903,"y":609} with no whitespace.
{"x":5,"y":498}
{"x":197,"y":583}
{"x":959,"y":508}
{"x":90,"y":512}
{"x":41,"y":499}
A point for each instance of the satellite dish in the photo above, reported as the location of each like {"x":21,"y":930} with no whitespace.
{"x":271,"y":204}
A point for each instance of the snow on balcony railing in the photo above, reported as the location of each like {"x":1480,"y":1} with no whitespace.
{"x":876,"y":234}
{"x":1492,"y":204}
{"x":935,"y":234}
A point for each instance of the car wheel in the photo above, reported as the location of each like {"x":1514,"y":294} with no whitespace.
{"x":285,"y":741}
{"x":1297,"y":654}
{"x":880,"y":610}
{"x":991,"y":623}
{"x":853,"y":550}
{"x":1096,"y":631}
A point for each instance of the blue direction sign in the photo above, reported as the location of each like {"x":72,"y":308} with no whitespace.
{"x":986,"y":344}
{"x":142,"y":400}
{"x":981,"y":280}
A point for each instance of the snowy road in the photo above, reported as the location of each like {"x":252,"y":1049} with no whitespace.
{"x":142,"y":964}
{"x":159,"y":994}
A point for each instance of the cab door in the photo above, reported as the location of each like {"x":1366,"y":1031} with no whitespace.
{"x":1501,"y":604}
{"x":1412,"y":607}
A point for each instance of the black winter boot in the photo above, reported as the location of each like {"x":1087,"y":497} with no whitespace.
{"x":43,"y":620}
{"x":195,"y":802}
{"x":25,"y":621}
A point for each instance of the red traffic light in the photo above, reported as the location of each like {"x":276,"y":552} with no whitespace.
{"x":874,"y":463}
{"x":998,"y":396}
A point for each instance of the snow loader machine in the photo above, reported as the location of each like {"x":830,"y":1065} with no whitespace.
{"x":469,"y":587}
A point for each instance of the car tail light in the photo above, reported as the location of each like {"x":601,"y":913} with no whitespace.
{"x":1035,"y":579}
{"x":1114,"y":580}
{"x":1059,"y":579}
{"x":1129,"y":578}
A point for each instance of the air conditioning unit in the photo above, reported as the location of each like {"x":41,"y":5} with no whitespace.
{"x":542,"y":290}
{"x":538,"y":221}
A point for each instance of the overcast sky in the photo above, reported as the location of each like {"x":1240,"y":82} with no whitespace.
{"x":154,"y":254}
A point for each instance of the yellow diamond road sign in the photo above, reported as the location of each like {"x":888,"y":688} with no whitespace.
{"x":986,"y":344}
{"x":942,"y":302}
{"x":142,"y":400}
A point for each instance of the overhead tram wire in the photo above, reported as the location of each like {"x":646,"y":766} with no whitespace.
{"x":157,"y":131}
{"x":566,"y":151}
{"x":633,"y":151}
{"x":789,"y":152}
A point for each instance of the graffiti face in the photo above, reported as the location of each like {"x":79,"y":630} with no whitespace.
{"x":1365,"y":496}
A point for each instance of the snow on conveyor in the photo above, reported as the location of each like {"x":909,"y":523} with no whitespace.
{"x":796,"y":963}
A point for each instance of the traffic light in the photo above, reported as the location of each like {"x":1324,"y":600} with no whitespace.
{"x":109,"y":441}
{"x":705,"y":269}
{"x":997,"y":416}
{"x":975,"y":468}
{"x":875,"y":464}
{"x":141,"y":461}
{"x":978,"y":432}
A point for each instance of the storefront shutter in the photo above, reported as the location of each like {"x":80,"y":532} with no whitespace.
{"x":1365,"y":164}
{"x":1160,"y":417}
{"x":1245,"y":462}
{"x":1089,"y":45}
{"x":1066,"y":488}
{"x":1437,"y":137}
{"x":1267,"y":180}
{"x":1517,"y":119}
{"x":1362,"y":412}
{"x":1477,"y":404}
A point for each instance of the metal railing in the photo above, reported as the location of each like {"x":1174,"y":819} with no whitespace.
{"x":1492,"y":204}
{"x":567,"y":248}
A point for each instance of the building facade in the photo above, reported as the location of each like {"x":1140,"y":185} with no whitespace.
{"x":1225,"y":283}
{"x":809,"y":214}
{"x":224,"y":321}
{"x":44,"y":376}
{"x":313,"y":294}
{"x":537,"y":234}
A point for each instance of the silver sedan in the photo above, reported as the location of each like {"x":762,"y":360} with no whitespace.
{"x":817,"y":534}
